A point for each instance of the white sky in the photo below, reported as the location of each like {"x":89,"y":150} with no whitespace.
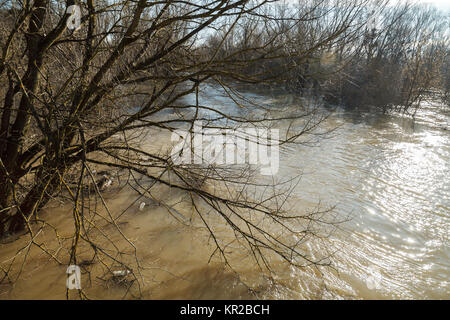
{"x":441,"y":4}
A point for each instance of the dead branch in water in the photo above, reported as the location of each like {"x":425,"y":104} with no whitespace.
{"x":91,"y":98}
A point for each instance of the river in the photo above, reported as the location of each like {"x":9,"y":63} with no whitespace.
{"x":389,"y":173}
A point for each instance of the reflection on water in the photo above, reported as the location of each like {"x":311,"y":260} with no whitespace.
{"x":391,"y":174}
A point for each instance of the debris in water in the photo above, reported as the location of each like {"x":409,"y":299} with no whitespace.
{"x":121,"y":273}
{"x":105,"y":182}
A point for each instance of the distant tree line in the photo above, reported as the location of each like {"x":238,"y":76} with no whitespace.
{"x":366,"y":54}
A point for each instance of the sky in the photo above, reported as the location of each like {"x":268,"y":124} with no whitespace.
{"x":441,"y":4}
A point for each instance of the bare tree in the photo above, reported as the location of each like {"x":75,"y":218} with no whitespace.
{"x":393,"y":62}
{"x":75,"y":102}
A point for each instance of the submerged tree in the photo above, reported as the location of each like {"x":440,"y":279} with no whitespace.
{"x":75,"y":97}
{"x":396,"y":63}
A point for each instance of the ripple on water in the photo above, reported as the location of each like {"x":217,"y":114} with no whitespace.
{"x":395,"y":180}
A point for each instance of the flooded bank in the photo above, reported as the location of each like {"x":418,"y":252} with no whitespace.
{"x":389,"y":174}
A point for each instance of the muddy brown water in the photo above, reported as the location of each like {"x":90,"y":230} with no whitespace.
{"x":390,"y":173}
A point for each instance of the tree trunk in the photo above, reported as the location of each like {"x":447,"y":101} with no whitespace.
{"x":33,"y":202}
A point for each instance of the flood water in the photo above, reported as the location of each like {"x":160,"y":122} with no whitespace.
{"x":389,"y":173}
{"x":393,"y":175}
